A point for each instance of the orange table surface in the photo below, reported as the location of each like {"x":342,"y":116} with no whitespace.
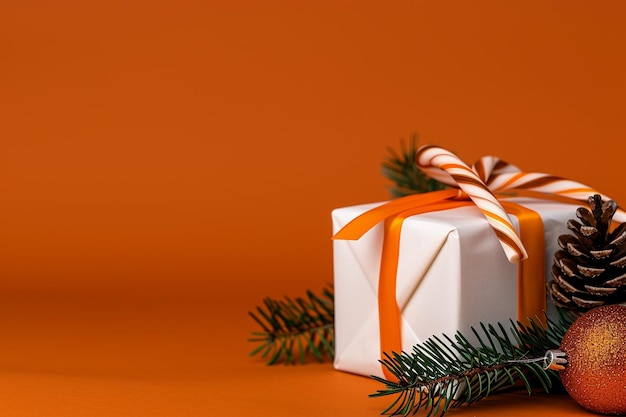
{"x":108,"y":355}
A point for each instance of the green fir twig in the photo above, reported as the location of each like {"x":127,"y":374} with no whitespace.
{"x":444,"y":373}
{"x":295,"y":329}
{"x":401,"y":169}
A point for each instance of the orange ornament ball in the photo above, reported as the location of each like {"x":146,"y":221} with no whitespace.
{"x":595,"y":345}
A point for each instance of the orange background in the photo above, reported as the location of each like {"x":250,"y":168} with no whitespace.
{"x":164,"y":165}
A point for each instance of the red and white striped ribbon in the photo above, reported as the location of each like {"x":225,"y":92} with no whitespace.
{"x":492,"y":175}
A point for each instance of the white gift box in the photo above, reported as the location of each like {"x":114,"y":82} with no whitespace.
{"x":452,"y":275}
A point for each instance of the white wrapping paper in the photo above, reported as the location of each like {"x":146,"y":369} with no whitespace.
{"x":452,"y":274}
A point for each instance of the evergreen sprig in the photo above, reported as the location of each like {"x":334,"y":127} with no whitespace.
{"x":295,"y":329}
{"x":404,"y":172}
{"x":444,"y":373}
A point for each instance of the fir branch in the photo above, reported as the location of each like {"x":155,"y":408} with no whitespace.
{"x":404,"y":172}
{"x":295,"y":329}
{"x":444,"y":373}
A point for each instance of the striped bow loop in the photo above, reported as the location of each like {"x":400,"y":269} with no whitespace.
{"x":490,"y":176}
{"x":446,"y":167}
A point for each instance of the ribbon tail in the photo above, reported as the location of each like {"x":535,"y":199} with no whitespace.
{"x":358,"y":226}
{"x":619,"y":216}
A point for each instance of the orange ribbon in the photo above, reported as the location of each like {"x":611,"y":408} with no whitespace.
{"x":531,"y":295}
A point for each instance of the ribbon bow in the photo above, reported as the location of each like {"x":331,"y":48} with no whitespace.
{"x":479,"y":185}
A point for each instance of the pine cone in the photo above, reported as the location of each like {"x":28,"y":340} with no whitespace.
{"x":590,"y":268}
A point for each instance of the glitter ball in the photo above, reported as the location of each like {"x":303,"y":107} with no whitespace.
{"x":595,"y":376}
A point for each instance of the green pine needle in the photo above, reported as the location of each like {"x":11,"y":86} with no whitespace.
{"x":444,"y":373}
{"x":294,"y":330}
{"x":402,"y":170}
